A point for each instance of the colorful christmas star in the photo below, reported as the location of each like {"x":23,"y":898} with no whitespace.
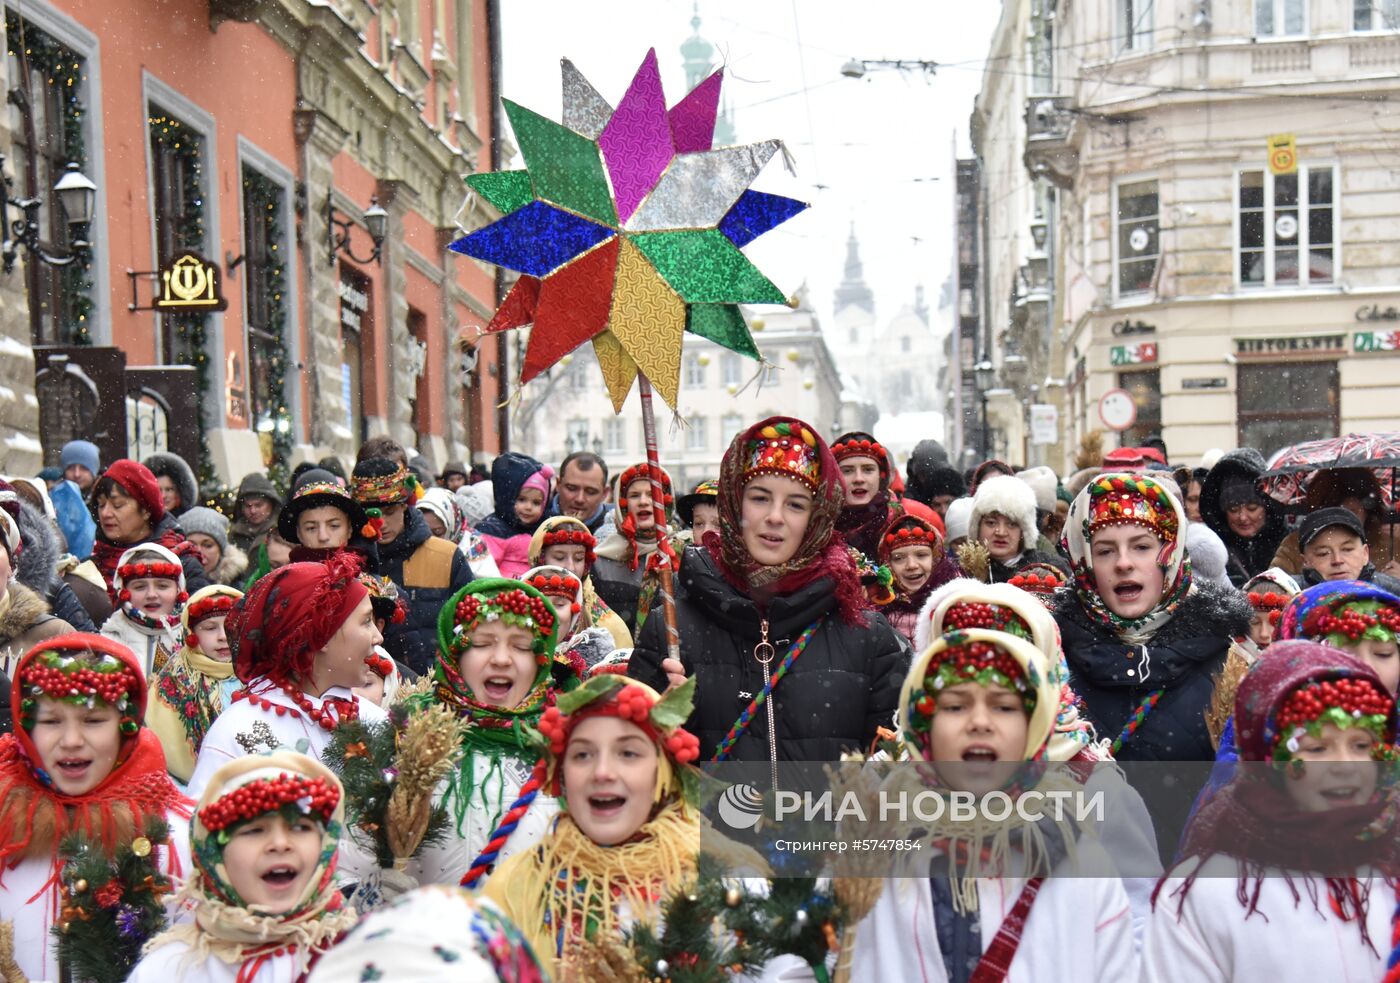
{"x":626,"y":227}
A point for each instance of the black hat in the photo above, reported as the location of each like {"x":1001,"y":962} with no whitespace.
{"x":705,"y":493}
{"x":1323,"y":519}
{"x":316,"y":489}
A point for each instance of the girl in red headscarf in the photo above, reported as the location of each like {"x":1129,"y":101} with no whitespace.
{"x":80,"y":760}
{"x":777,"y":583}
{"x":301,"y":639}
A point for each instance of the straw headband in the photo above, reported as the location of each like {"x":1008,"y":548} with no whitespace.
{"x":788,"y":450}
{"x":1345,"y":703}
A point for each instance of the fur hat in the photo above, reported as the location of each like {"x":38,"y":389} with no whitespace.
{"x":957,"y":519}
{"x":1043,"y":482}
{"x":1208,"y":554}
{"x":1014,"y":499}
{"x":173,"y":466}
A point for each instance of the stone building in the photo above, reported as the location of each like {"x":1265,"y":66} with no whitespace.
{"x":268,"y":138}
{"x":1219,"y":206}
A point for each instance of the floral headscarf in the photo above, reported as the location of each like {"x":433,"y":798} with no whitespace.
{"x":791,"y":449}
{"x":1128,"y":499}
{"x":1341,"y":613}
{"x":624,"y":545}
{"x":225,"y":926}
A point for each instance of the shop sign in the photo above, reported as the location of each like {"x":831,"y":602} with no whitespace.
{"x":1143,"y":353}
{"x":1045,"y":423}
{"x":1129,"y":326}
{"x":1375,"y":341}
{"x":353,"y":304}
{"x":1117,"y":410}
{"x":1375,"y":312}
{"x":1328,"y":344}
{"x":1206,"y":382}
{"x":190,"y":285}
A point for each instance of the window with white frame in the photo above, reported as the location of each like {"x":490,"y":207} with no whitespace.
{"x":1375,"y":15}
{"x":576,"y":435}
{"x":1137,"y":242}
{"x":731,"y":371}
{"x":614,"y":436}
{"x":1287,"y":227}
{"x":729,"y":426}
{"x":697,"y":438}
{"x":1134,"y":24}
{"x":1280,"y":18}
{"x":694,"y":371}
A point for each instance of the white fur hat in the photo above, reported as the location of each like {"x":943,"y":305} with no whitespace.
{"x":1043,"y":482}
{"x":956,"y":519}
{"x":1208,"y":554}
{"x":1014,"y":499}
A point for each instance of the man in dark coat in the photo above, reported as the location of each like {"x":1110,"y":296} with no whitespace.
{"x":426,"y":569}
{"x":1251,"y":525}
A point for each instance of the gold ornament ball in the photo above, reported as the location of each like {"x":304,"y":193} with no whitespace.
{"x":141,"y":846}
{"x":793,"y":355}
{"x":80,"y":885}
{"x":756,"y":324}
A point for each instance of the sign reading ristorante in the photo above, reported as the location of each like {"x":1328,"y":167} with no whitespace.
{"x":1327,"y":344}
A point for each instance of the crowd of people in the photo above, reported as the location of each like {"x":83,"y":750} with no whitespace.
{"x":396,"y":722}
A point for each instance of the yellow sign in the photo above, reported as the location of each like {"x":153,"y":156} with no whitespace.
{"x":1283,"y":154}
{"x":190,"y":285}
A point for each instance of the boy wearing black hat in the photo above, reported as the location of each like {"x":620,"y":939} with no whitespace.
{"x":1334,"y":547}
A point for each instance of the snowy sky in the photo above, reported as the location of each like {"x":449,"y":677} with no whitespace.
{"x":866,"y":150}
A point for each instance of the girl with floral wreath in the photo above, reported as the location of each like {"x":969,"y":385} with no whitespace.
{"x":582,"y":644}
{"x":1001,"y":900}
{"x":778,"y":582}
{"x":912,"y":550}
{"x":265,"y":842}
{"x":193,"y":688}
{"x":300,"y":640}
{"x":80,"y":760}
{"x":151,"y":597}
{"x":495,"y":666}
{"x":1289,"y":872}
{"x":621,"y":766}
{"x":564,"y":541}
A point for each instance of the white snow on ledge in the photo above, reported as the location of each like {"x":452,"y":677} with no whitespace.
{"x":15,"y":348}
{"x":24,"y":443}
{"x":7,"y":394}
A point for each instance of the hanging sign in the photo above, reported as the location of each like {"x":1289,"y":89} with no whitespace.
{"x":1117,"y":410}
{"x":1206,"y":382}
{"x":1143,"y":353}
{"x":190,"y":284}
{"x":1045,"y":423}
{"x":1283,"y":154}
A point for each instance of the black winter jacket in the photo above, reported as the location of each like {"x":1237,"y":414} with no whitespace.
{"x":842,"y":687}
{"x":1247,"y":557}
{"x":1185,"y":656}
{"x":413,"y":642}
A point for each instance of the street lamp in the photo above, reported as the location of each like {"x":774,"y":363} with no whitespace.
{"x":983,"y":375}
{"x":338,"y":231}
{"x":75,"y":194}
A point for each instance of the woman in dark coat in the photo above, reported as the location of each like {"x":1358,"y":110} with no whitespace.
{"x":1251,"y":525}
{"x":778,"y":573}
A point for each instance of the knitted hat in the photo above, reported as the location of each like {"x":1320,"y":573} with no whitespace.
{"x":130,"y":568}
{"x":1238,"y":489}
{"x":957,"y":520}
{"x":781,"y":446}
{"x":451,"y":468}
{"x":857,"y":443}
{"x":705,"y":493}
{"x":137,"y":481}
{"x":1341,"y":613}
{"x":1012,"y":498}
{"x":1270,"y":592}
{"x":660,"y":717}
{"x":1320,"y":521}
{"x":985,"y":657}
{"x":206,"y":522}
{"x":379,"y":481}
{"x":318,"y":489}
{"x":539,"y":481}
{"x":290,"y":615}
{"x":910,"y":530}
{"x":255,"y":483}
{"x":82,"y":452}
{"x":562,"y":530}
{"x":1043,"y":482}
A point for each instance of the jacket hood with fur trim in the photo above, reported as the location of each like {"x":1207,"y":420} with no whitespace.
{"x":1014,"y":499}
{"x":173,"y":466}
{"x":37,"y":564}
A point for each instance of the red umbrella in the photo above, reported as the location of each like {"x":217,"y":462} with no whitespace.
{"x":1291,"y":469}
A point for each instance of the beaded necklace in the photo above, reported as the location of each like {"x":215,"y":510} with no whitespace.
{"x":330,"y":713}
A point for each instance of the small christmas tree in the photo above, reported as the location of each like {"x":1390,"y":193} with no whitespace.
{"x":110,"y":906}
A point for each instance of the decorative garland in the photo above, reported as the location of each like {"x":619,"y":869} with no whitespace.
{"x":169,"y":134}
{"x":261,"y":193}
{"x":64,"y":70}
